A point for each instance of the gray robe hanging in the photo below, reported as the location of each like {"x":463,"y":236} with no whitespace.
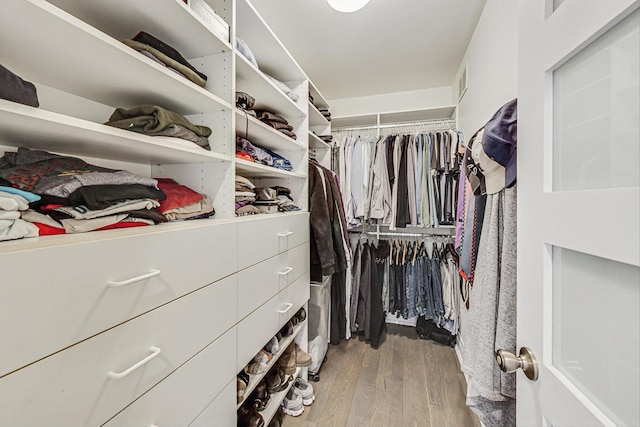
{"x":492,"y":314}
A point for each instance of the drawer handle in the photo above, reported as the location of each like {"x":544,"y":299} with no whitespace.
{"x":285,"y":271}
{"x":285,"y":234}
{"x":289,"y":305}
{"x":149,"y":275}
{"x":117,"y":375}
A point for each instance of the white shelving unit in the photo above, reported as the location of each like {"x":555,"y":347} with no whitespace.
{"x":73,"y":54}
{"x":254,"y":379}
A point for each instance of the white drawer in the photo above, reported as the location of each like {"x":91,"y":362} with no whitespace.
{"x":265,"y":237}
{"x":258,"y":328}
{"x":53,"y":297}
{"x":260,"y":282}
{"x":180,"y":397}
{"x":257,"y":284}
{"x":73,"y":387}
{"x":295,"y":262}
{"x":294,"y":297}
{"x":221,"y":412}
{"x":255,"y":330}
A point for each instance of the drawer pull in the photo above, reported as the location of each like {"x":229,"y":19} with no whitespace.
{"x":285,"y":234}
{"x":285,"y":271}
{"x":289,"y":305}
{"x":117,"y":375}
{"x":149,"y":275}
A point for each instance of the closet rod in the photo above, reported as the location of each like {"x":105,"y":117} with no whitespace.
{"x":392,"y":234}
{"x":444,"y":123}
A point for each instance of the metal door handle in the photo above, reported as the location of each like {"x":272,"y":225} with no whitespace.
{"x":509,"y":362}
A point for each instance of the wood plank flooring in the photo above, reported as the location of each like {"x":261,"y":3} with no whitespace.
{"x":406,"y":382}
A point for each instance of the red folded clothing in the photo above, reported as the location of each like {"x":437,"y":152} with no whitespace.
{"x":47,"y":230}
{"x":122,"y":224}
{"x":177,"y":195}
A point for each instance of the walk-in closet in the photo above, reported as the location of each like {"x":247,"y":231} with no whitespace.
{"x":319,"y":213}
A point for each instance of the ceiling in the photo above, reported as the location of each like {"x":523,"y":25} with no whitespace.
{"x":389,"y":46}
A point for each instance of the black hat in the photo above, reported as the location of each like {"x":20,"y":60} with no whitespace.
{"x":501,"y":137}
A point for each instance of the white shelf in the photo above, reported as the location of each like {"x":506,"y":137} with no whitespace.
{"x":442,"y":113}
{"x":315,"y":117}
{"x":364,"y":120}
{"x":40,"y":129}
{"x":271,"y":55}
{"x":256,"y":170}
{"x":263,"y":135}
{"x":318,"y":99}
{"x":122,"y":77}
{"x":32,"y":243}
{"x":254,"y":379}
{"x":123,"y":19}
{"x":268,"y":97}
{"x":316,"y":142}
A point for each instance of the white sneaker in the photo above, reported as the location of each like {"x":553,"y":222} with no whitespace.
{"x":292,"y":403}
{"x":304,"y":390}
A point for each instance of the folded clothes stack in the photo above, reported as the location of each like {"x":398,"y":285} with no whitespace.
{"x":277,"y":122}
{"x":162,"y":53}
{"x":247,"y":151}
{"x":326,"y":138}
{"x":13,"y":204}
{"x":275,"y":199}
{"x":14,"y":88}
{"x":325,"y":112}
{"x":245,"y":197}
{"x":54,"y":194}
{"x":156,"y":121}
{"x":182,"y":202}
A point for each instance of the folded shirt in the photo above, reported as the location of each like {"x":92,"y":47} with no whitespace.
{"x":12,"y":229}
{"x":150,"y":119}
{"x":197,"y":209}
{"x":14,"y":88}
{"x":13,"y":202}
{"x":177,"y":195}
{"x":245,"y":50}
{"x":83,"y":212}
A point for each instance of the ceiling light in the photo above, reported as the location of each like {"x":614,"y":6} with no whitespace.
{"x":347,"y":5}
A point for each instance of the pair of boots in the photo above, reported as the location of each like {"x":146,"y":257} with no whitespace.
{"x":294,"y":357}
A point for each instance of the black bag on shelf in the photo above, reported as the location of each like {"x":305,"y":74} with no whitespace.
{"x":428,"y":330}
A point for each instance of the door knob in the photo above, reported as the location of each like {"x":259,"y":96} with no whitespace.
{"x":509,"y":362}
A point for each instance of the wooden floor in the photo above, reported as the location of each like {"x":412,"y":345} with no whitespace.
{"x":406,"y":382}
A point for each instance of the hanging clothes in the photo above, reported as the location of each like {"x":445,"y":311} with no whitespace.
{"x":418,"y":187}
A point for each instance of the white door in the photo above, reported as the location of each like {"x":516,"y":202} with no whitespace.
{"x":578,"y":211}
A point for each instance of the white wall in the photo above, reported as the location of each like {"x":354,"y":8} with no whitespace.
{"x":492,"y":74}
{"x":492,"y":66}
{"x":390,"y":102}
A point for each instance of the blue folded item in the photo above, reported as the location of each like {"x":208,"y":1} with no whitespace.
{"x":279,"y":161}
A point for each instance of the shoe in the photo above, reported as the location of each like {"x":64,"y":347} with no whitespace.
{"x":302,"y":357}
{"x":277,"y":419}
{"x":292,"y":404}
{"x":260,"y":396}
{"x":242,"y":381}
{"x":259,"y":363}
{"x":287,"y":361}
{"x":287,"y":329}
{"x":301,"y":315}
{"x":276,"y":380}
{"x":249,"y":417}
{"x":304,"y":390}
{"x":272,"y":346}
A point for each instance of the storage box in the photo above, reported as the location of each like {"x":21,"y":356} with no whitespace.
{"x":215,"y":23}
